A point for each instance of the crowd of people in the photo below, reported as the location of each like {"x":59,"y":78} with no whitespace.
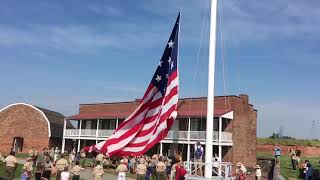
{"x":51,"y":162}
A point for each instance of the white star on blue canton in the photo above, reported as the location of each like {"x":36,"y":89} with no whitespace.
{"x":171,"y":65}
{"x":160,"y":63}
{"x":170,"y":44}
{"x":169,"y":60}
{"x":158,"y":78}
{"x":167,"y":76}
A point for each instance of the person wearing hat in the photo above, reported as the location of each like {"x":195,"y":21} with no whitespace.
{"x":258,"y":172}
{"x":10,"y":165}
{"x":161,"y":169}
{"x":27,"y":168}
{"x":98,"y":171}
{"x":75,"y":170}
{"x":241,"y":170}
{"x":141,"y":169}
{"x":56,"y":154}
{"x":121,"y":170}
{"x":61,"y":164}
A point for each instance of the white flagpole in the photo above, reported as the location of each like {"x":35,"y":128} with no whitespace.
{"x":210,"y":103}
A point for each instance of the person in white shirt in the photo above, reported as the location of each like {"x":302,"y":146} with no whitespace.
{"x":258,"y":172}
{"x":65,"y":174}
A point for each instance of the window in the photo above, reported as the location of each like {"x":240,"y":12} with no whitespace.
{"x":107,"y":124}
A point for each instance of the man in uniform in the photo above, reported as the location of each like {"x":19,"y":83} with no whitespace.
{"x":27,"y":167}
{"x":98,"y":171}
{"x":122,"y":169}
{"x":141,"y":169}
{"x":76,"y":171}
{"x":11,"y":163}
{"x":33,"y":153}
{"x":61,"y":164}
{"x":99,"y":157}
{"x":161,"y":168}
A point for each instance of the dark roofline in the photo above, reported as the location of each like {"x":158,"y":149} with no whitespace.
{"x":47,"y":111}
{"x":185,"y":98}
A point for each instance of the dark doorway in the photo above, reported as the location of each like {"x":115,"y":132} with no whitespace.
{"x":17,"y":144}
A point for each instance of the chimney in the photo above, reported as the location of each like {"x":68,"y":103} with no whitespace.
{"x":245,"y":98}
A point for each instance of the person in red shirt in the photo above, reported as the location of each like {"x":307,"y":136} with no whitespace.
{"x":180,"y":171}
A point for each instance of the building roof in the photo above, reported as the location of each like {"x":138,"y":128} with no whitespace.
{"x":56,"y":121}
{"x":187,"y":107}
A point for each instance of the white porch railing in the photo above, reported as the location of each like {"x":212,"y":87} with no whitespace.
{"x":198,"y":135}
{"x":172,"y":134}
{"x":72,"y":132}
{"x":88,"y":132}
{"x":105,"y":132}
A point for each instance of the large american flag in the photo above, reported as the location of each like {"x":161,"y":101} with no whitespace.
{"x":153,"y":118}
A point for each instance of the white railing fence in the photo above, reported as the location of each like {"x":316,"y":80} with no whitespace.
{"x":172,"y":134}
{"x":220,"y":170}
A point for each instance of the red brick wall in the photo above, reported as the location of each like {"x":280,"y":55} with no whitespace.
{"x":26,"y":122}
{"x":243,"y":128}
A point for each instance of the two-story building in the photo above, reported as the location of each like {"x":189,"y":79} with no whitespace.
{"x":234,"y":137}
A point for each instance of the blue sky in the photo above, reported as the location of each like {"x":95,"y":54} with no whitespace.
{"x":58,"y":54}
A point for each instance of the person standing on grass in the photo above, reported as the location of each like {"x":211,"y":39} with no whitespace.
{"x":161,"y":169}
{"x":61,"y":164}
{"x":10,"y":166}
{"x":27,"y":168}
{"x":293,"y":157}
{"x":83,"y":157}
{"x":121,"y":170}
{"x":277,"y":153}
{"x":98,"y":171}
{"x":65,"y":174}
{"x":141,"y":170}
{"x":309,"y":172}
{"x":76,"y":171}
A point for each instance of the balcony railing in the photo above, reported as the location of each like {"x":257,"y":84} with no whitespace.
{"x":172,"y":134}
{"x":198,"y":135}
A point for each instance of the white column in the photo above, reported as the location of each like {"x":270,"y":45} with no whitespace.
{"x":64,"y":133}
{"x":97,"y":131}
{"x":210,"y":103}
{"x":219,"y":141}
{"x":188,"y":137}
{"x":78,"y":150}
{"x":161,"y":148}
{"x":80,"y":127}
{"x":117,"y":123}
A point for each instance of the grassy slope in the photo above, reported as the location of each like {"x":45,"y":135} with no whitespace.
{"x":286,"y":167}
{"x":289,"y":142}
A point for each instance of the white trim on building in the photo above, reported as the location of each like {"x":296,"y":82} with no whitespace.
{"x":33,"y":107}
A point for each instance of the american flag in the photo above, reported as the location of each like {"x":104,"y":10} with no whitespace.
{"x":153,"y":118}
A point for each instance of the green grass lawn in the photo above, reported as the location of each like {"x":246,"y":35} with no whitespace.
{"x":285,"y":164}
{"x":17,"y":174}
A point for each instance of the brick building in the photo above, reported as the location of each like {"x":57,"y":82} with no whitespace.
{"x":234,"y":127}
{"x":23,"y":126}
